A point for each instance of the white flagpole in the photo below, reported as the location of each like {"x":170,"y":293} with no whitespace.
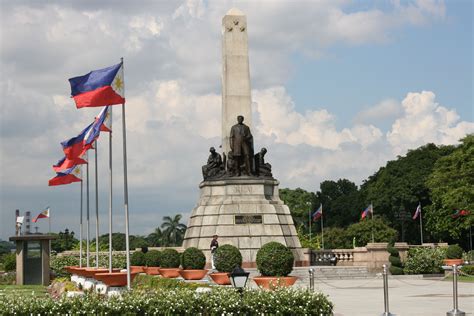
{"x":322,"y":226}
{"x":110,"y":192}
{"x":372,"y":211}
{"x":125,"y":187}
{"x":96,"y":209}
{"x":87,"y":215}
{"x":421,"y":227}
{"x":310,"y":219}
{"x":80,"y":230}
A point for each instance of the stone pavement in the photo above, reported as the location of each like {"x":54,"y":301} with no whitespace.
{"x":408,"y":295}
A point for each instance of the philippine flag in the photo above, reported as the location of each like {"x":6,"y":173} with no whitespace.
{"x":107,"y":120}
{"x":67,"y":176}
{"x":65,"y":163}
{"x":43,"y":214}
{"x":367,"y":211}
{"x":99,"y":87}
{"x":318,"y":213}
{"x":417,"y":212}
{"x":74,"y":147}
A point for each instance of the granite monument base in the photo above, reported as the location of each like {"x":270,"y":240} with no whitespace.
{"x":245,"y":212}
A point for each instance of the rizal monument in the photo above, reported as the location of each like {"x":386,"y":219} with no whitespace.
{"x":239,"y":198}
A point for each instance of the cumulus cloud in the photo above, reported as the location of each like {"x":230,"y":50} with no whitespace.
{"x":424,"y":121}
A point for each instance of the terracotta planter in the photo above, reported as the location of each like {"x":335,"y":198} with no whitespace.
{"x":450,"y":262}
{"x":78,"y":271}
{"x":137,"y":269}
{"x":169,"y":272}
{"x":91,"y":272}
{"x":193,"y":274}
{"x":221,"y":278}
{"x":152,"y":270}
{"x":115,"y":278}
{"x":272,"y":282}
{"x":71,"y":269}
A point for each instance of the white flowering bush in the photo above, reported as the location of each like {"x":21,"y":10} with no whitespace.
{"x":179,"y":301}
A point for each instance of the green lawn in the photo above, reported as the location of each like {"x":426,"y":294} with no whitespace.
{"x":39,"y":290}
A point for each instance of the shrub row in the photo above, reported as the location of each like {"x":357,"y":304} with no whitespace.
{"x":179,"y":301}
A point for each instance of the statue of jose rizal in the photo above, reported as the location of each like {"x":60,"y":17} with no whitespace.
{"x":241,"y":144}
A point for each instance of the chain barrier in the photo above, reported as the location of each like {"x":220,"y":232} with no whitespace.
{"x":434,"y":281}
{"x":349,"y":287}
{"x":465,"y":274}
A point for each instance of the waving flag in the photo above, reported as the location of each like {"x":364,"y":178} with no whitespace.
{"x":460,"y":213}
{"x":368,"y":210}
{"x":65,"y":163}
{"x":66,"y":177}
{"x":417,"y":212}
{"x":43,"y":214}
{"x":107,"y":121}
{"x":318,"y":213}
{"x":74,"y":147}
{"x":93,"y":133}
{"x":99,"y":87}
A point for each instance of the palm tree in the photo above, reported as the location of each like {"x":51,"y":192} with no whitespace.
{"x":172,"y":229}
{"x":156,"y":238}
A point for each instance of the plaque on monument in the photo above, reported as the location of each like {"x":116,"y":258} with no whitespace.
{"x":248,"y":219}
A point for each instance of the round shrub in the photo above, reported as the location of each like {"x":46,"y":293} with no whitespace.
{"x":227,"y":257}
{"x":454,"y":252}
{"x":193,"y":259}
{"x":169,"y":258}
{"x":275,"y":259}
{"x":137,"y":258}
{"x":395,"y":270}
{"x":9,"y":262}
{"x":395,"y":261}
{"x":153,"y":258}
{"x":393,"y":252}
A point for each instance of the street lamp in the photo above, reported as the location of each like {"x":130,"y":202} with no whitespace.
{"x":238,"y":278}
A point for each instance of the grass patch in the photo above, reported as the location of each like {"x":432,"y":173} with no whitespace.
{"x":38,"y":290}
{"x":142,"y":281}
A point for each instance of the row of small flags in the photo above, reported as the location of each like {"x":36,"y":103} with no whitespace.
{"x":101,"y":87}
{"x":370,"y":209}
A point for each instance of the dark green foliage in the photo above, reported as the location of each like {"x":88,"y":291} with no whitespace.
{"x":227,"y":257}
{"x":396,"y":266}
{"x":170,"y":258}
{"x":64,"y":241}
{"x":9,"y":262}
{"x":362,"y":231}
{"x":150,"y":282}
{"x":6,"y":247}
{"x":193,"y":259}
{"x":153,"y":258}
{"x":336,"y":238}
{"x":452,"y":187}
{"x":454,"y":252}
{"x":173,"y":231}
{"x":137,"y":258}
{"x":275,"y":259}
{"x":424,"y":260}
{"x":469,"y":269}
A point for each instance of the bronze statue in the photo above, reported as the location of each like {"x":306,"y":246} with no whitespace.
{"x":241,"y":144}
{"x":232,"y":167}
{"x":214,"y":166}
{"x":262,"y":169}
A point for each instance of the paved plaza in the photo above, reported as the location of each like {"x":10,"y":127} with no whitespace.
{"x":407,"y":296}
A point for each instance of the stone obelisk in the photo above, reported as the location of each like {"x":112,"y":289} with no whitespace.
{"x":236,"y":98}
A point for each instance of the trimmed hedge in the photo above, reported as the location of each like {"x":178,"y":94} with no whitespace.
{"x":227,"y":257}
{"x":153,"y":258}
{"x":275,"y":259}
{"x":424,"y":261}
{"x":137,"y":259}
{"x":178,"y":301}
{"x":454,"y":252}
{"x":170,"y":258}
{"x":193,"y":259}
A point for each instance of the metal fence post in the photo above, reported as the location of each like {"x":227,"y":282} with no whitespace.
{"x":455,"y":311}
{"x":385,"y":291}
{"x":311,"y":279}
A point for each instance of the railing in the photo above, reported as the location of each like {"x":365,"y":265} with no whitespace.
{"x":331,"y":257}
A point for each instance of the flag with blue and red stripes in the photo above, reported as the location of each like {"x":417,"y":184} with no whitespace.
{"x":67,"y":176}
{"x":368,"y":210}
{"x":99,"y":87}
{"x":318,"y":213}
{"x":417,"y":212}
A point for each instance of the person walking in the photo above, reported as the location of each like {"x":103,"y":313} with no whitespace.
{"x":213,"y":247}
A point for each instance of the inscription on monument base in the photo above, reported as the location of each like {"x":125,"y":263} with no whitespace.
{"x":248,"y":219}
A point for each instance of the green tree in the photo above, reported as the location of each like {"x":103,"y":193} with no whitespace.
{"x":362,"y":231}
{"x":155,"y":239}
{"x":300,"y":203}
{"x":452,"y":187}
{"x":173,"y":230}
{"x":5,"y":247}
{"x":396,"y":189}
{"x":64,"y":241}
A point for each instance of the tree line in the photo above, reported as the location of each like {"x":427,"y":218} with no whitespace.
{"x":440,"y":178}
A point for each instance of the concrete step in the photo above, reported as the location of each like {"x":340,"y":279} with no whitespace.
{"x":327,"y":272}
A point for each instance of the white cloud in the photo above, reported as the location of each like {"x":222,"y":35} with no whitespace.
{"x":389,"y":109}
{"x":425,"y":121}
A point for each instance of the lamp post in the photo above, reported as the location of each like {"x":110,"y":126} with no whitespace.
{"x":238,"y":278}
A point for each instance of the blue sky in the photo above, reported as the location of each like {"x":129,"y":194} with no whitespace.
{"x":339,"y":88}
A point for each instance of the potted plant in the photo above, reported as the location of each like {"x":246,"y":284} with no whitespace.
{"x":137,"y":262}
{"x":152,"y":261}
{"x":193,"y":261}
{"x":169,"y":263}
{"x":275,"y":263}
{"x":453,"y":255}
{"x":226,"y":258}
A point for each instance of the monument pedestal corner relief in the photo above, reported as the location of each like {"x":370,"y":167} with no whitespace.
{"x":239,"y":197}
